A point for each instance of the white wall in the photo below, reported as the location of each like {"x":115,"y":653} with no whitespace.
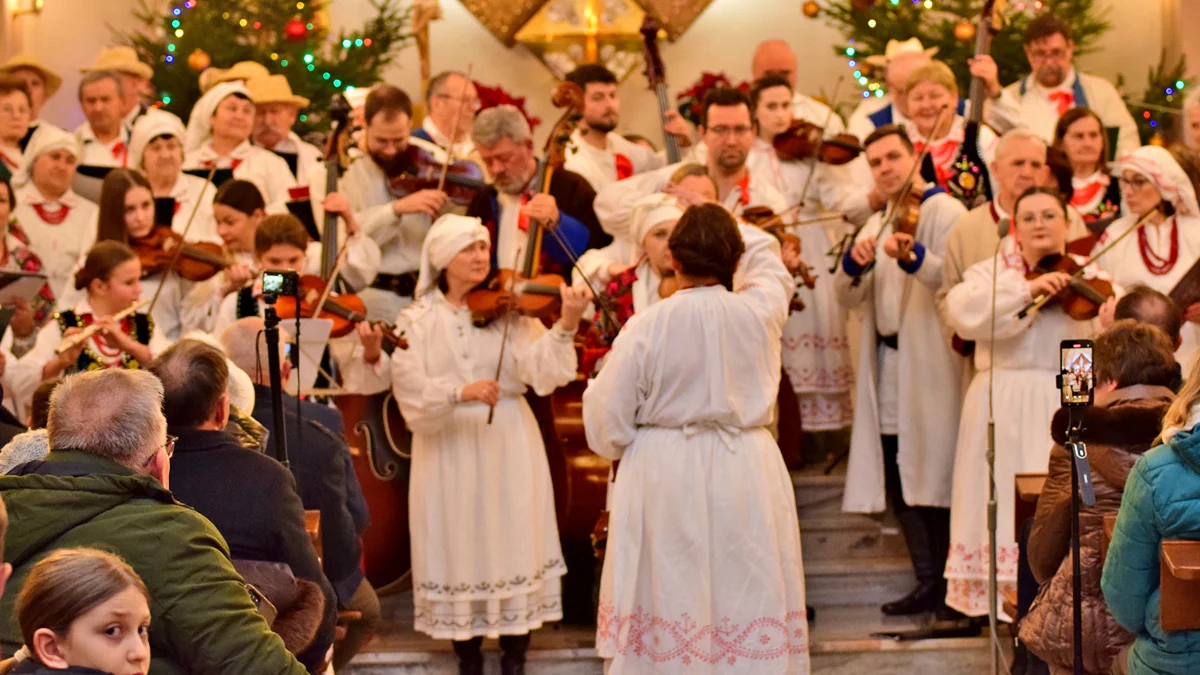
{"x":70,"y":32}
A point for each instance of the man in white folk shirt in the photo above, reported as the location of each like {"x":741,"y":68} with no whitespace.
{"x":135,"y":79}
{"x":775,"y":57}
{"x":909,"y":387}
{"x":103,"y":138}
{"x":1055,"y":86}
{"x":42,"y":83}
{"x":727,"y":129}
{"x":596,"y":153}
{"x":60,"y":224}
{"x":450,"y":100}
{"x":276,"y":110}
{"x":396,"y":223}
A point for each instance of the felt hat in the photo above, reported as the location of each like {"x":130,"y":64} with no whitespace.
{"x":53,"y":81}
{"x":121,"y":58}
{"x":274,"y":89}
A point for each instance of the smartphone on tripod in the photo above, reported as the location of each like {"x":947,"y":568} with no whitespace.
{"x":1076,"y":379}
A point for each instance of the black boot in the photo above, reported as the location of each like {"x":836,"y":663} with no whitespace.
{"x":929,"y":591}
{"x":470,"y":656}
{"x":512,"y":662}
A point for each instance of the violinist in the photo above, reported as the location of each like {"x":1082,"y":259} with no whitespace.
{"x":218,"y":135}
{"x":596,"y":152}
{"x":111,"y":276}
{"x":126,"y":216}
{"x":1095,"y":194}
{"x":907,"y":394}
{"x":282,"y":243}
{"x":462,"y":467}
{"x":397,"y":223}
{"x":776,"y":58}
{"x":451,"y":99}
{"x":1160,"y":254}
{"x":728,"y":134}
{"x":240,"y":209}
{"x":156,"y":148}
{"x":1024,"y":359}
{"x":514,"y":198}
{"x":276,"y":110}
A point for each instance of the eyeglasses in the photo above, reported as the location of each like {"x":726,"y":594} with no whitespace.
{"x":1135,"y":183}
{"x":1047,"y":54}
{"x":469,"y":104}
{"x":723,"y":131}
{"x":169,"y":446}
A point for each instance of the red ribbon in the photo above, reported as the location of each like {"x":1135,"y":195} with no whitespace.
{"x":624,"y":166}
{"x":1063,"y":99}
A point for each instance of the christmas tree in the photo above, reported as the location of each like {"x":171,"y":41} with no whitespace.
{"x":1156,"y":114}
{"x":949,"y":25}
{"x":291,"y":37}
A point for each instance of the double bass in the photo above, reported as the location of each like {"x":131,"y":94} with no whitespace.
{"x":656,"y":74}
{"x":970,"y":182}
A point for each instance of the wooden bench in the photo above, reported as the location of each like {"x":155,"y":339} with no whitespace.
{"x":1027,"y":488}
{"x":1179,"y":585}
{"x":312,"y":525}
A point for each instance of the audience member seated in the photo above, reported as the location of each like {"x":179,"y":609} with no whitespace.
{"x":1161,"y":501}
{"x":106,"y":485}
{"x":5,"y":568}
{"x":83,"y":612}
{"x":326,"y":480}
{"x":1134,"y":367}
{"x":250,"y":497}
{"x":32,"y":444}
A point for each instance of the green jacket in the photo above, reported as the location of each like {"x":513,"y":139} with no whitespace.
{"x":202,"y":619}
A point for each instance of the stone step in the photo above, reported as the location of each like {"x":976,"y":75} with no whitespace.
{"x":848,"y":535}
{"x":857,"y":581}
{"x":818,"y":494}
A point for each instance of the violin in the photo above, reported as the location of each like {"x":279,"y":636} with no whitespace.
{"x":764,"y":217}
{"x":346,"y":310}
{"x":164,"y":247}
{"x":1081,"y":298}
{"x":463,"y":179}
{"x":506,"y":290}
{"x":805,"y":140}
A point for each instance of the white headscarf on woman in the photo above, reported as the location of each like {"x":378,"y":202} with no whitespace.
{"x":199,"y":127}
{"x":448,"y":236}
{"x":48,"y":137}
{"x":648,"y":212}
{"x":1161,"y":169}
{"x":153,"y":124}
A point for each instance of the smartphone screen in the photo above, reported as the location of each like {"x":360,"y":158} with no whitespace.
{"x":272,"y":283}
{"x":1078,"y":379}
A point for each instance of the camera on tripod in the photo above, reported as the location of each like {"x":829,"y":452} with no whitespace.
{"x":276,"y":283}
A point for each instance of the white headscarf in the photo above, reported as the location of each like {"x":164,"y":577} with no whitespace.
{"x":650,"y":211}
{"x":199,"y":127}
{"x":47,"y":138}
{"x":1159,"y":166}
{"x":148,"y":127}
{"x":448,"y":236}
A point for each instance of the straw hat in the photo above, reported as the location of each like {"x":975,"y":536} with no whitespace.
{"x":53,"y":81}
{"x":896,"y":48}
{"x":122,"y":59}
{"x":242,"y":70}
{"x":274,"y":89}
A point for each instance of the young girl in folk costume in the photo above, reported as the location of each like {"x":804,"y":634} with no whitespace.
{"x":1019,"y":367}
{"x":127,"y":215}
{"x":1167,"y":246}
{"x":15,"y":256}
{"x":932,"y":89}
{"x":702,"y":572}
{"x":111,"y":275}
{"x":85,"y":612}
{"x":1081,"y":137}
{"x":156,"y":148}
{"x":486,"y":556}
{"x":218,"y":135}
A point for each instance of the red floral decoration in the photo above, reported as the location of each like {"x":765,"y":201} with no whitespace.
{"x":691,"y":101}
{"x":490,"y":97}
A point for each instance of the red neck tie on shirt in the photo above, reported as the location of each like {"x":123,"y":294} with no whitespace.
{"x":1063,"y":99}
{"x":522,"y":219}
{"x":624,"y":166}
{"x":121,"y":152}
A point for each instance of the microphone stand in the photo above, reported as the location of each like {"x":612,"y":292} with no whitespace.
{"x":1081,"y":488}
{"x":271,"y":331}
{"x":992,"y":522}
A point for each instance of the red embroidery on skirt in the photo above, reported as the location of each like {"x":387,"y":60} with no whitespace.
{"x":662,"y":640}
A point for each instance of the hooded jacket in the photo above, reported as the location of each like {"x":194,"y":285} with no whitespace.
{"x":202,"y":617}
{"x":1162,"y":501}
{"x":1122,"y":425}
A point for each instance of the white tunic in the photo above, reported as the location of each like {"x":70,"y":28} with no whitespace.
{"x":485,"y":548}
{"x":1124,"y":262}
{"x":928,"y":374}
{"x":50,"y":336}
{"x":1036,"y":110}
{"x":58,"y":245}
{"x":619,"y":159}
{"x":268,"y":171}
{"x":310,"y":171}
{"x":811,"y":110}
{"x":703,"y":571}
{"x":187,"y":192}
{"x":1025,"y":358}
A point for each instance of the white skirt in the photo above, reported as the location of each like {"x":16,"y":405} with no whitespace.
{"x":1025,"y":402}
{"x":703,"y":574}
{"x":816,"y":350}
{"x":485,"y":548}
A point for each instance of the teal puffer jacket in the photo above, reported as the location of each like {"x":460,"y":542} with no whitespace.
{"x":1161,"y":501}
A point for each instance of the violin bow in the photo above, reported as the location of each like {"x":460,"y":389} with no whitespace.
{"x":507,"y":316}
{"x":1041,"y":300}
{"x":182,"y":237}
{"x":812,"y":162}
{"x":462,"y":103}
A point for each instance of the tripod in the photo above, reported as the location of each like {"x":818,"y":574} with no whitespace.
{"x":1081,"y":488}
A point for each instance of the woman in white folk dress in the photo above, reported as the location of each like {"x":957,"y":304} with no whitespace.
{"x":1020,"y":366}
{"x":485,"y":546}
{"x":1154,"y":185}
{"x":702,"y":572}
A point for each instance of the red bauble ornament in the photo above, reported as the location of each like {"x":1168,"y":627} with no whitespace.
{"x":862,"y":5}
{"x":295,"y":30}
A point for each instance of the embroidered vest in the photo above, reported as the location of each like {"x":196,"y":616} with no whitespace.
{"x":143,"y":327}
